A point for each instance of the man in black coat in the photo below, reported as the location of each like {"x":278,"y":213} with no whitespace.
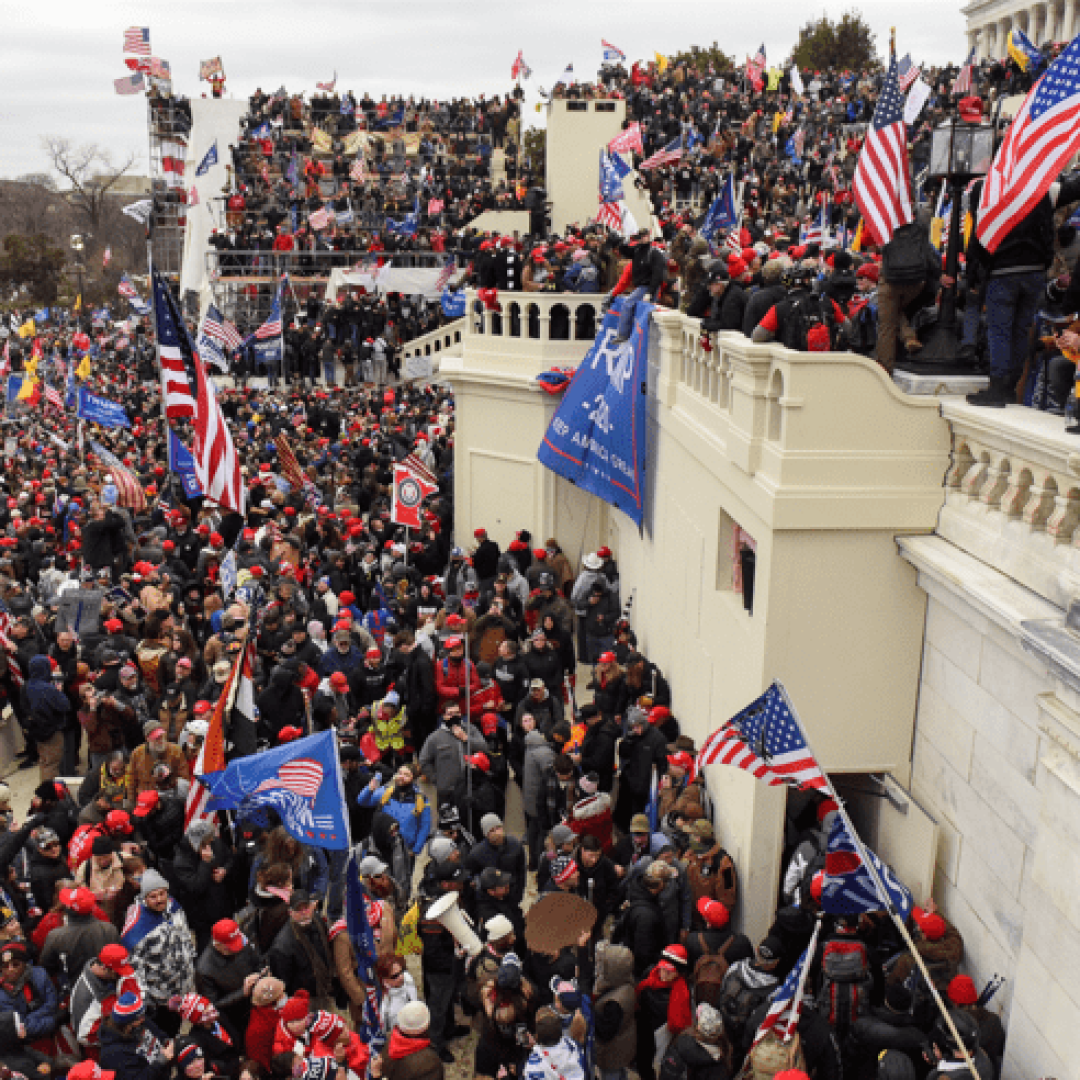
{"x":485,"y":559}
{"x":226,"y":971}
{"x":300,"y":955}
{"x":597,"y":753}
{"x":643,"y":749}
{"x":643,"y":922}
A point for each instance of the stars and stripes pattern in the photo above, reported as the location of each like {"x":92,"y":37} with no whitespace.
{"x":52,"y":396}
{"x":418,"y":468}
{"x":612,"y":52}
{"x":327,"y":87}
{"x":211,"y":759}
{"x":129,"y":491}
{"x":8,"y":646}
{"x":129,"y":84}
{"x":786,"y":1008}
{"x":137,"y":40}
{"x":670,"y":153}
{"x":175,"y":385}
{"x":881,"y":185}
{"x":907,"y":73}
{"x":848,"y":888}
{"x":629,"y":139}
{"x":1043,"y":137}
{"x":272,"y":327}
{"x":446,"y":273}
{"x":290,"y":467}
{"x":765,"y":740}
{"x":965,"y":81}
{"x":216,"y":326}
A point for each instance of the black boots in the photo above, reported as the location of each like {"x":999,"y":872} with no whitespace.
{"x":996,"y":396}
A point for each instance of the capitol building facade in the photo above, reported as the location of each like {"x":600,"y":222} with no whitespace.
{"x":989,"y":23}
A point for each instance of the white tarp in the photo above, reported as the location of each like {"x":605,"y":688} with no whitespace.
{"x":388,"y":279}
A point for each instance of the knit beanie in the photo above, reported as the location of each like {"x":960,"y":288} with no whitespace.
{"x":151,"y":882}
{"x":297,"y":1007}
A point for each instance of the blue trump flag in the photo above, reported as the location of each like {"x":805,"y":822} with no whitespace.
{"x":99,"y":410}
{"x":300,"y":780}
{"x":452,"y":303}
{"x":183,"y":465}
{"x":722,"y":214}
{"x":362,"y":936}
{"x":208,"y":162}
{"x":611,"y":186}
{"x":596,"y":439}
{"x":849,"y":888}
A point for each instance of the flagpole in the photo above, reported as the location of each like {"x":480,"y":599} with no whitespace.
{"x":879,"y":885}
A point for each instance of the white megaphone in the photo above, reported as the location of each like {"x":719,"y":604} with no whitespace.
{"x":445,"y":910}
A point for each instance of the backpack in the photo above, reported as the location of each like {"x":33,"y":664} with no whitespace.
{"x":771,"y":1056}
{"x":672,"y":1066}
{"x":709,"y":974}
{"x":738,"y":1001}
{"x":862,"y":332}
{"x":904,"y":256}
{"x":845,"y":983}
{"x":809,"y":325}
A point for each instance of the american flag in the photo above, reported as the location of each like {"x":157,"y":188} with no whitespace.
{"x":328,"y":87}
{"x":786,"y":1008}
{"x":217,"y":465}
{"x":52,"y":396}
{"x":137,"y":40}
{"x":610,"y":214}
{"x":125,"y":288}
{"x":106,"y":257}
{"x":907,"y":73}
{"x":881,"y":185}
{"x":446,"y":273}
{"x":966,"y":79}
{"x":12,"y":653}
{"x":129,"y":84}
{"x":272,"y":327}
{"x":160,"y":69}
{"x":290,"y":467}
{"x":129,"y":491}
{"x":849,"y":888}
{"x":755,"y":68}
{"x":320,"y":219}
{"x":1044,"y":136}
{"x":216,"y":326}
{"x":670,"y":153}
{"x":765,"y":740}
{"x":629,"y":139}
{"x":176,"y":386}
{"x":733,"y":239}
{"x":359,"y":169}
{"x":418,"y":468}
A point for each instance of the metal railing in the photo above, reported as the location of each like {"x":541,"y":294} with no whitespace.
{"x":271,"y":264}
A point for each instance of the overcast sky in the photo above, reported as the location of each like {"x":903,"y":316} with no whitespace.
{"x":62,"y":56}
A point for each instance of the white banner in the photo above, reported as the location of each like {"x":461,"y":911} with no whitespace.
{"x":916,"y":99}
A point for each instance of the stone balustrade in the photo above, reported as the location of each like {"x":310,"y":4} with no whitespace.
{"x":422,"y":357}
{"x":1012,"y":496}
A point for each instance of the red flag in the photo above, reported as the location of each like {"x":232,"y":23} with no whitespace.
{"x":410,"y":491}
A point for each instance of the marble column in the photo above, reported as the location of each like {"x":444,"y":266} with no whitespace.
{"x":1067,"y":29}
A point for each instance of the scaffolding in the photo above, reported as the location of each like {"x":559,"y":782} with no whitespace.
{"x":168,"y":125}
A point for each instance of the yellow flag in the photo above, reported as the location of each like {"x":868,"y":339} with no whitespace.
{"x":775,"y":75}
{"x":28,"y":389}
{"x":28,"y":329}
{"x":967,"y":225}
{"x":1016,"y":53}
{"x":777,"y":120}
{"x":82,"y":372}
{"x":409,"y":942}
{"x":856,"y":244}
{"x":31,"y":369}
{"x":78,"y":303}
{"x":937,"y":228}
{"x":661,"y":63}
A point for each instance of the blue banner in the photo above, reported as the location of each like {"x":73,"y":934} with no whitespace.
{"x":267,"y":353}
{"x":99,"y":410}
{"x":453,"y":303}
{"x":182,"y":464}
{"x":597,"y":438}
{"x":722,"y":214}
{"x":300,"y":780}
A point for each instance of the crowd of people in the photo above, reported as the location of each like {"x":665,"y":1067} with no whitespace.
{"x":507,"y":749}
{"x":470,"y":685}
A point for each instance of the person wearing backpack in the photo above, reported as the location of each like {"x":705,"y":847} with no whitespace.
{"x":702,"y":1052}
{"x":844,"y":990}
{"x":809,"y":855}
{"x":747,"y":984}
{"x":803,"y":321}
{"x":910,"y":269}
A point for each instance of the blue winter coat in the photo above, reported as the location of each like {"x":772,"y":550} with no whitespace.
{"x":129,"y":1057}
{"x":48,"y":706}
{"x":332,"y":661}
{"x":415,"y":827}
{"x":40,"y":1014}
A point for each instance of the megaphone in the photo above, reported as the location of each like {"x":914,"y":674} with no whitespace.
{"x":445,"y":910}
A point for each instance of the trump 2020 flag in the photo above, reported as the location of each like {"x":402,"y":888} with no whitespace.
{"x":182,"y":464}
{"x":357,"y":906}
{"x":596,"y":440}
{"x":209,"y":161}
{"x":612,"y":171}
{"x":849,"y":887}
{"x":300,"y":780}
{"x":722,"y":214}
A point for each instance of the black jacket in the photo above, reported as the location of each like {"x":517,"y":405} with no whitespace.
{"x":289,"y":961}
{"x":510,"y":857}
{"x":204,"y":900}
{"x":638,"y":754}
{"x":643,"y":927}
{"x":598,"y":751}
{"x":221,"y":980}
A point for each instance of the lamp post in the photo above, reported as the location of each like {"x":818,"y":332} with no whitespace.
{"x":960,"y":151}
{"x":78,"y":246}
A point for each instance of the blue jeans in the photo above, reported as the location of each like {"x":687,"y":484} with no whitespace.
{"x":329,"y":371}
{"x":629,"y":307}
{"x":1010,"y":311}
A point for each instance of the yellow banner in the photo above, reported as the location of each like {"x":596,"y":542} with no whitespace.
{"x":321,"y":141}
{"x":82,"y":372}
{"x":28,"y":329}
{"x":777,"y":120}
{"x":661,"y":63}
{"x":775,"y":75}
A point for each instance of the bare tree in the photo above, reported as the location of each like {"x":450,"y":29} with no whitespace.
{"x":30,"y":207}
{"x":91,"y":173}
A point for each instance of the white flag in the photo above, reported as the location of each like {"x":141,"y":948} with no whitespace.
{"x":916,"y":99}
{"x":140,"y":210}
{"x":796,"y":81}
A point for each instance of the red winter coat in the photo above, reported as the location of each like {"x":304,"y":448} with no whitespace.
{"x":259,"y":1039}
{"x":450,"y":678}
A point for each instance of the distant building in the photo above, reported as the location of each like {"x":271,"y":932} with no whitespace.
{"x":127,"y":185}
{"x":989,"y":23}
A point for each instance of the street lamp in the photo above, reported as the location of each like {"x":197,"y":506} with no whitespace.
{"x":960,"y":150}
{"x":78,"y":246}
